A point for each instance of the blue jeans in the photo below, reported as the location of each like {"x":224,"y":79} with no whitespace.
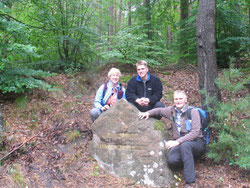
{"x":184,"y":154}
{"x":95,"y":113}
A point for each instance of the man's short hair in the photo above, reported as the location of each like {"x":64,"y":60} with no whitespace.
{"x":180,"y":92}
{"x":114,"y":70}
{"x":142,"y":62}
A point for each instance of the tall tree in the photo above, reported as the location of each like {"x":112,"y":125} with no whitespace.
{"x":184,"y":7}
{"x":148,"y":23}
{"x":206,"y":51}
{"x":129,"y":14}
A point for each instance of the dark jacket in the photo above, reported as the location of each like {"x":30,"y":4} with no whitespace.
{"x":170,"y":113}
{"x":152,"y":89}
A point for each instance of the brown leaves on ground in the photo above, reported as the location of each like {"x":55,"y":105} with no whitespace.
{"x":52,"y":159}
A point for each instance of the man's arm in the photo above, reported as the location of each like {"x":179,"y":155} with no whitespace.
{"x":163,"y":112}
{"x":131,"y":91}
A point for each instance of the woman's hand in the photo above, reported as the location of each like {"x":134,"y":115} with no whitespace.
{"x":143,"y":115}
{"x":105,"y":107}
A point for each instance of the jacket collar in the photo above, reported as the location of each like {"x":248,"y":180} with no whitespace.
{"x":184,"y":108}
{"x":138,"y":78}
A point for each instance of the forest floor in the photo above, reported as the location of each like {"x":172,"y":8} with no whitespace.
{"x":56,"y":126}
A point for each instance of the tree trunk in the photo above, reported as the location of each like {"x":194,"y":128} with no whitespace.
{"x":206,"y":51}
{"x":184,"y":7}
{"x":111,"y":15}
{"x":129,"y":14}
{"x":184,"y":10}
{"x":148,"y":24}
{"x":1,"y":122}
{"x":170,"y":38}
{"x":120,"y":15}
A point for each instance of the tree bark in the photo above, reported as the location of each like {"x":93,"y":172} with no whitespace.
{"x":1,"y":122}
{"x":129,"y":14}
{"x":184,"y":10}
{"x":148,"y":24}
{"x":206,"y":51}
{"x":120,"y":15}
{"x":184,"y":7}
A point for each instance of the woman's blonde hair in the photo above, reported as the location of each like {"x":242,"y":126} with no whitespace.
{"x":114,"y":70}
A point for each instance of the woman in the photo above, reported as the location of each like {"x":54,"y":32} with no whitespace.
{"x":108,"y":94}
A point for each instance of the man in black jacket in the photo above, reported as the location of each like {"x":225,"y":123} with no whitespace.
{"x":144,"y":90}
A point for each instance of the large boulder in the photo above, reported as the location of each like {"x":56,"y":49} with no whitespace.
{"x":126,"y":146}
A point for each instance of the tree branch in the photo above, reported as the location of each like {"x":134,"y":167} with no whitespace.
{"x":10,"y":17}
{"x":16,"y":148}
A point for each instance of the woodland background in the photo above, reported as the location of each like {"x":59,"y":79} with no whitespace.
{"x":54,"y":49}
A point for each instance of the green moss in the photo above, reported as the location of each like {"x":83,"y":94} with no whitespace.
{"x":169,"y":95}
{"x":72,"y":135}
{"x":125,"y":79}
{"x":159,"y":125}
{"x":165,"y":82}
{"x":166,"y":73}
{"x":21,"y":101}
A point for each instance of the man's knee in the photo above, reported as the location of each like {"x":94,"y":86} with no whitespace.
{"x":159,"y":104}
{"x":173,"y":158}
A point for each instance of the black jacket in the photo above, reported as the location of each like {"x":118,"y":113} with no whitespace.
{"x":152,"y":89}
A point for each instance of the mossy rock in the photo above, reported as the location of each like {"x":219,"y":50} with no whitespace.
{"x":159,"y":125}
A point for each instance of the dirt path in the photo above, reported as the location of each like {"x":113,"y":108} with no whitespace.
{"x":59,"y":157}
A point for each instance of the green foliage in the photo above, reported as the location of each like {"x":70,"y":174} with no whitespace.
{"x":19,"y":80}
{"x":231,"y":35}
{"x":232,"y":32}
{"x":129,"y":47}
{"x":232,"y":127}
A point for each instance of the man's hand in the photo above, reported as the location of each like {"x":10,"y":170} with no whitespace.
{"x":145,"y":101}
{"x":105,"y":108}
{"x":143,"y":115}
{"x":171,"y":143}
{"x":142,"y":101}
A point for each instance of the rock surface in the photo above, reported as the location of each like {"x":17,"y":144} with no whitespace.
{"x":128,"y":147}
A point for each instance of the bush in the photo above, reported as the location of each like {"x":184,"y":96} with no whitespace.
{"x":232,"y":127}
{"x":19,"y":80}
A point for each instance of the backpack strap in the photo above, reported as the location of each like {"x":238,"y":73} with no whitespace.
{"x":189,"y":112}
{"x":120,"y":92}
{"x":104,"y":90}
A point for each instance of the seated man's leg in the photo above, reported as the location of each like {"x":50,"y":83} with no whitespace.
{"x":174,"y":157}
{"x":189,"y":150}
{"x":159,"y":104}
{"x":95,"y":113}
